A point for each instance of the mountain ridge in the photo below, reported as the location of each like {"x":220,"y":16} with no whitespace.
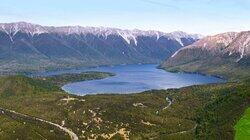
{"x":226,"y":53}
{"x":13,"y":28}
{"x":27,"y":47}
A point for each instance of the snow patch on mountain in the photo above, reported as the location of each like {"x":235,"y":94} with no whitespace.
{"x":128,"y":36}
{"x":243,"y":47}
{"x":13,"y":28}
{"x":176,"y":53}
{"x":7,"y":32}
{"x":242,"y":50}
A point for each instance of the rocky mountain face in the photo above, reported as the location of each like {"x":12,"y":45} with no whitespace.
{"x":25,"y":46}
{"x":227,"y":52}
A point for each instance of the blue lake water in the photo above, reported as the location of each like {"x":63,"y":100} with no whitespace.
{"x":132,"y":79}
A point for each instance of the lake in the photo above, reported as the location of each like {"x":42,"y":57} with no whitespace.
{"x":133,"y":79}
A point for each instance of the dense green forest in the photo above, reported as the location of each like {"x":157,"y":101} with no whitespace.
{"x":201,"y":112}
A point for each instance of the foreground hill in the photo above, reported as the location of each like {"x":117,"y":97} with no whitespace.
{"x":197,"y":112}
{"x":25,"y":46}
{"x":226,"y":54}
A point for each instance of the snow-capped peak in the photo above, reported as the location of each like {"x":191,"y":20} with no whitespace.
{"x":128,"y":35}
{"x":13,"y":28}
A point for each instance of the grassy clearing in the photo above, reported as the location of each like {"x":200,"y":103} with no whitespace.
{"x":243,"y":127}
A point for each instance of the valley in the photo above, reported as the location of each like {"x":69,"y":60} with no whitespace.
{"x":36,"y":107}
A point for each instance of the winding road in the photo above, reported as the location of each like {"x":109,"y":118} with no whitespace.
{"x":180,"y":132}
{"x":11,"y":113}
{"x":183,"y":132}
{"x":170,"y":101}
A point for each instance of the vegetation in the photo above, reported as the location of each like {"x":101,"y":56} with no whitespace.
{"x":217,"y":118}
{"x":212,"y":66}
{"x":68,"y":78}
{"x":243,"y":127}
{"x":11,"y":129}
{"x":202,"y":112}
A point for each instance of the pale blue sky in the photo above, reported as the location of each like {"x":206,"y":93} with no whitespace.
{"x":193,"y":16}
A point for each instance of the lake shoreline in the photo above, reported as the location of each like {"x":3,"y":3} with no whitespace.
{"x":138,"y":78}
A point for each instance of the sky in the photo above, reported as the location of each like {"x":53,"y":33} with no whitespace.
{"x":205,"y":17}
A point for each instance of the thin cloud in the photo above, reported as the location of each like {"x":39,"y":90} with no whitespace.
{"x":160,"y":4}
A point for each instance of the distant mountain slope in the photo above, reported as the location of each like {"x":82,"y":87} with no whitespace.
{"x":26,"y":46}
{"x":226,"y":54}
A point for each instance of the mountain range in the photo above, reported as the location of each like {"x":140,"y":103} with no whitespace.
{"x":26,"y":47}
{"x":226,"y":54}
